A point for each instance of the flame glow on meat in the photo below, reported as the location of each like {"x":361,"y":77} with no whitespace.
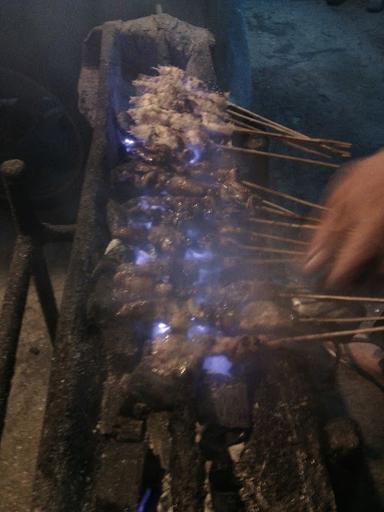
{"x":186,"y":198}
{"x":181,"y":281}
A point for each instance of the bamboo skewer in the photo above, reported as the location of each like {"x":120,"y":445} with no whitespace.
{"x":286,"y":136}
{"x":284,"y":195}
{"x":323,"y":336}
{"x":294,"y":145}
{"x":278,"y":155}
{"x":257,"y":248}
{"x":279,"y":238}
{"x":283,"y":224}
{"x":270,"y":260}
{"x":252,"y":115}
{"x":325,"y":320}
{"x":347,"y":298}
{"x":274,"y":211}
{"x":278,"y":207}
{"x":247,"y":128}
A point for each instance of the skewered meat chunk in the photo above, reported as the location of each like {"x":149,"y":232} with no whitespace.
{"x":261,"y":317}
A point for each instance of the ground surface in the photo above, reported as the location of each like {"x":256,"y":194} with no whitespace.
{"x":315,"y":68}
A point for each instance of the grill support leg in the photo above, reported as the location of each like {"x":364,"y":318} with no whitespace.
{"x":28,"y":259}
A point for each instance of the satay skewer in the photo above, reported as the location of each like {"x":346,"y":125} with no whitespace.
{"x":253,"y":115}
{"x":279,"y":155}
{"x":325,"y":320}
{"x":279,"y":238}
{"x":280,"y":213}
{"x":284,"y":136}
{"x":283,"y":224}
{"x":271,"y":250}
{"x":294,"y":199}
{"x":278,"y":342}
{"x":347,"y":298}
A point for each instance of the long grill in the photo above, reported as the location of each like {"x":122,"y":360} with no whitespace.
{"x":261,"y":448}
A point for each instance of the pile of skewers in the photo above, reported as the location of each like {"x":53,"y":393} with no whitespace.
{"x":247,"y":122}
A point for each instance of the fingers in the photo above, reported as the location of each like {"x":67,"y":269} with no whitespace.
{"x":360,"y":246}
{"x":326,"y":240}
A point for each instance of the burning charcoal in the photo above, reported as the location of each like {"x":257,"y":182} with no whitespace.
{"x":262,"y":317}
{"x":224,"y":487}
{"x":224,"y":402}
{"x":159,"y":437}
{"x":188,"y":471}
{"x":120,"y":463}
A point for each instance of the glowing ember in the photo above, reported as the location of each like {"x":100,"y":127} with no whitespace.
{"x":218,"y":365}
{"x":198,"y":255}
{"x":160,"y":329}
{"x":142,"y":507}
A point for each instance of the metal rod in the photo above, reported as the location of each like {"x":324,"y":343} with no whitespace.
{"x":12,"y":316}
{"x":45,"y":292}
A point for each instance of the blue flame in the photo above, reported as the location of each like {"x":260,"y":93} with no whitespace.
{"x":198,"y":255}
{"x":160,"y":329}
{"x":143,"y":257}
{"x":129,"y":143}
{"x":144,"y":204}
{"x":192,"y":233}
{"x":196,"y":154}
{"x":144,"y":501}
{"x":198,"y":330}
{"x":218,"y":365}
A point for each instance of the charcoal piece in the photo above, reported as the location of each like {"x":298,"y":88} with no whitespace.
{"x":159,"y":437}
{"x":281,"y":467}
{"x":225,"y":404}
{"x":158,"y":392}
{"x":119,"y":477}
{"x":224,"y":487}
{"x":342,"y":440}
{"x":188,"y":474}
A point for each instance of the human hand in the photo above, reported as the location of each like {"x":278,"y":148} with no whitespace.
{"x":351,"y":233}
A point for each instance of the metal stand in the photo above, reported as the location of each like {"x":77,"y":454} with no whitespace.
{"x":28,"y":261}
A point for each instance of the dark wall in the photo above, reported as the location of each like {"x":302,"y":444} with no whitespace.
{"x":42,"y":38}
